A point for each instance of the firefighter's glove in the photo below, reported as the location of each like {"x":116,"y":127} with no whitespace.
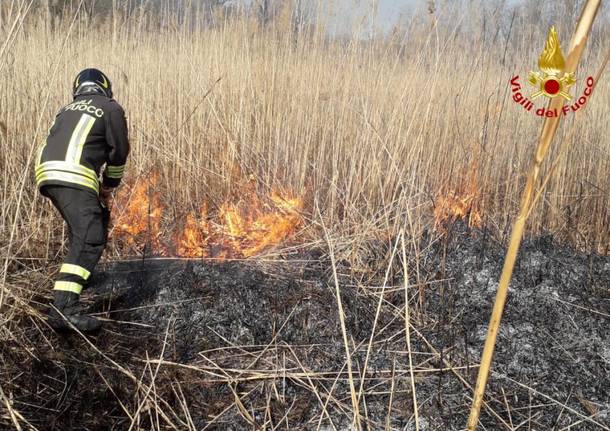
{"x":105,"y":195}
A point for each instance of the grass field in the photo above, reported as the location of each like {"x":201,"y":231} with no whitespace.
{"x":365,"y":130}
{"x":372,"y":135}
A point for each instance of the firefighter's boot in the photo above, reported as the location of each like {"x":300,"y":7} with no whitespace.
{"x":66,"y":309}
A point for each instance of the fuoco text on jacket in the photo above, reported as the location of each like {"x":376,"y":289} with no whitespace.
{"x":85,"y":106}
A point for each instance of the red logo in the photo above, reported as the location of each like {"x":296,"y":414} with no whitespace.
{"x":551,"y":81}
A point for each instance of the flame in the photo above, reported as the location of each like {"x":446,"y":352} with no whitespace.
{"x":253,"y":230}
{"x":238,"y":229}
{"x":462,"y":202}
{"x":139,"y":215}
{"x":193,"y":240}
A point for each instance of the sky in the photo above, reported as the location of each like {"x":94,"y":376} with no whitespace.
{"x":356,"y":16}
{"x":344,"y":14}
{"x":349,"y":13}
{"x":389,"y":12}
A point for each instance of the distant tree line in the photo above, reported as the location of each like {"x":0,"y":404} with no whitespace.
{"x":265,"y":10}
{"x":494,"y":18}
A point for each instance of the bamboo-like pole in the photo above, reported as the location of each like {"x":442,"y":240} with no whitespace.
{"x":576,"y":47}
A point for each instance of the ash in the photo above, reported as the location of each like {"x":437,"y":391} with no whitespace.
{"x":250,"y":345}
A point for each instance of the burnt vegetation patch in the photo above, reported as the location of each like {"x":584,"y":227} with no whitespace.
{"x":195,"y":344}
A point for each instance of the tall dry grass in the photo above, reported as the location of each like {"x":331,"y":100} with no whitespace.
{"x":368,"y":129}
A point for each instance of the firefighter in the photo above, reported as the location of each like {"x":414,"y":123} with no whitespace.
{"x":88,"y":137}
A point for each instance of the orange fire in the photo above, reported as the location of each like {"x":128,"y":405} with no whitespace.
{"x":192,"y":241}
{"x":461,"y":202}
{"x":139,"y":211}
{"x":239,"y":229}
{"x":253,"y":230}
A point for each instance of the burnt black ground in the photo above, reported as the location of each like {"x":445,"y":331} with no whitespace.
{"x":272,"y":330}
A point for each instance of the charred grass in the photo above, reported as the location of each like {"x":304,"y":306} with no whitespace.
{"x":198,"y":344}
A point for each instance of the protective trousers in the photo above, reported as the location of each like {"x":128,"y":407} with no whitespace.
{"x":87,"y":223}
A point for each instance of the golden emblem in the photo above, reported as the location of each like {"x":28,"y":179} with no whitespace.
{"x":551,"y":63}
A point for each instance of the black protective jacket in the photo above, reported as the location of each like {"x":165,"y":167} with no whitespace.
{"x":87,"y":134}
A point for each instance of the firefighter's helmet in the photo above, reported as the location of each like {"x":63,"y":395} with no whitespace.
{"x":91,"y":81}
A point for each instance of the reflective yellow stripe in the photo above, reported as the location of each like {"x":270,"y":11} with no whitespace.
{"x":74,"y":139}
{"x":81,"y":143}
{"x":67,"y":177}
{"x":60,"y":165}
{"x":78,"y":138}
{"x":115,"y":169}
{"x":68,"y":268}
{"x":68,"y":286}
